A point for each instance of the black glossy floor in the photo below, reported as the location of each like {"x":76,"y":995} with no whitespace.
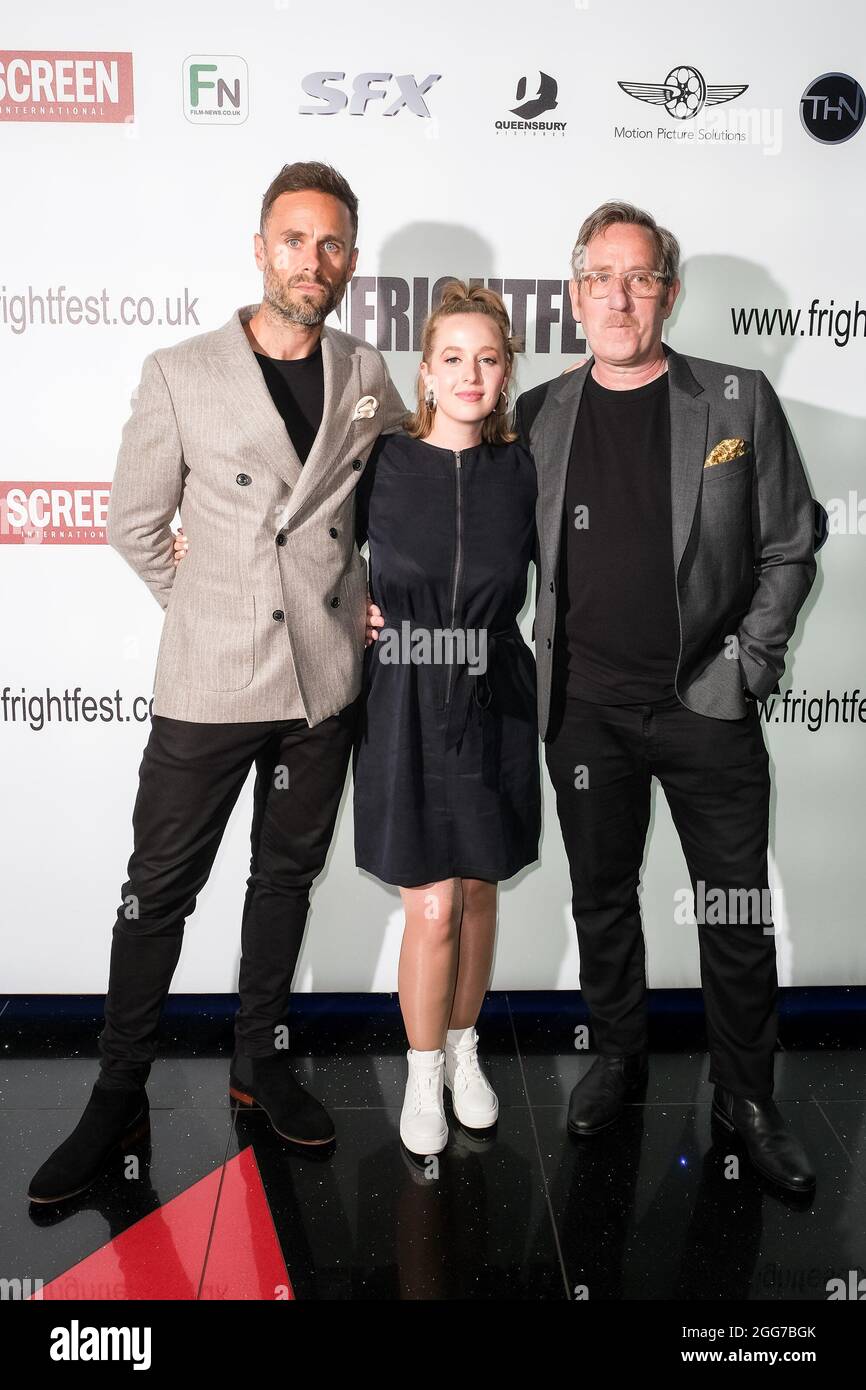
{"x":223,"y":1208}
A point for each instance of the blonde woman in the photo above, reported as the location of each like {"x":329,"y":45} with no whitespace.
{"x":447,"y":792}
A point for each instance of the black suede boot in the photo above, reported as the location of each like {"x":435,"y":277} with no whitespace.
{"x":599,"y":1096}
{"x":773,"y":1150}
{"x":269,"y":1084}
{"x":112,"y":1119}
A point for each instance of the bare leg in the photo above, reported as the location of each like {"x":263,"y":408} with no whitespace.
{"x":428,"y":960}
{"x":477,"y":940}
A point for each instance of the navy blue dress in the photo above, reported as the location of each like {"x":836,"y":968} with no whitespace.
{"x":446,"y":768}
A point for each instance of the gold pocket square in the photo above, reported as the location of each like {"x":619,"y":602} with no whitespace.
{"x":725,"y":450}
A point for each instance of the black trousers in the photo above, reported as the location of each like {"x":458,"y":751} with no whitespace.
{"x":715,"y":776}
{"x":190,"y":778}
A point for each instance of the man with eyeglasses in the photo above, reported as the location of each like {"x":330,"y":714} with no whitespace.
{"x":676,"y":547}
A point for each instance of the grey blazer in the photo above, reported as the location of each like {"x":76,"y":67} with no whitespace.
{"x":265,"y":618}
{"x":743,"y":528}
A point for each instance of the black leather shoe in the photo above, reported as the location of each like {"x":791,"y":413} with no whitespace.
{"x":112,"y":1119}
{"x":598,"y":1098}
{"x":773,"y":1150}
{"x":267,"y":1083}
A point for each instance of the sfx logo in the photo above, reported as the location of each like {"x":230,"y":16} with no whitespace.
{"x":527,"y":111}
{"x":683,"y":93}
{"x":366,"y":87}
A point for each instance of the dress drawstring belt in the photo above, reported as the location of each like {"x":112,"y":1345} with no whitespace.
{"x":468,"y":689}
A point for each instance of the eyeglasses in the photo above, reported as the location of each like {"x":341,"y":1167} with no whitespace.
{"x":640,"y":283}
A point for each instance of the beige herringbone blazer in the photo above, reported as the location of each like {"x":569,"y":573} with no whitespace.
{"x":265,"y":617}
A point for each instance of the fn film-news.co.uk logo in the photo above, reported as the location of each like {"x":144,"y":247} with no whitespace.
{"x":215,"y":89}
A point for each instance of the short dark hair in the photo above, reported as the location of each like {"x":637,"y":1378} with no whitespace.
{"x":302,"y":177}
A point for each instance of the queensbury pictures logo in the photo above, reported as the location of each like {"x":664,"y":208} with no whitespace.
{"x":832,"y":108}
{"x":544,"y":99}
{"x":683,"y":93}
{"x":82,"y":87}
{"x":402,"y":92}
{"x":215,"y":89}
{"x":535,"y":96}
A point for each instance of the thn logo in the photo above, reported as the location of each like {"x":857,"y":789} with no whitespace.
{"x":215,"y":90}
{"x":832,"y":108}
{"x":527,"y":111}
{"x":367,"y":87}
{"x":683,"y":93}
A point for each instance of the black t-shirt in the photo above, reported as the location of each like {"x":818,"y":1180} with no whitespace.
{"x":618,"y":636}
{"x":298,"y":391}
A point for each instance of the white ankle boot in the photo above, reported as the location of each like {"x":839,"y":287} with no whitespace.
{"x":474,"y":1099}
{"x":423,"y":1126}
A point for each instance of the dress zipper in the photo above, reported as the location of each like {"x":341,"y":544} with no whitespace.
{"x":457,"y":559}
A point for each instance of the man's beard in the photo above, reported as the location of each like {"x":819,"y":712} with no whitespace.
{"x":298,"y":308}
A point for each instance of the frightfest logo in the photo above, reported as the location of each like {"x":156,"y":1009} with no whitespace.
{"x":534,"y":99}
{"x":389,"y":310}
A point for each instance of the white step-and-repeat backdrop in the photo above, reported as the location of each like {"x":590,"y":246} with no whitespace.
{"x":137,"y":141}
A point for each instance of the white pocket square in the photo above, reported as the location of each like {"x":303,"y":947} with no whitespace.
{"x":366,"y":408}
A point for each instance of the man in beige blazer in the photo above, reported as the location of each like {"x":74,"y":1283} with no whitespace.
{"x":258,"y":432}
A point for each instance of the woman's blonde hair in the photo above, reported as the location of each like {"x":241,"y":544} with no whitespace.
{"x":460,"y":298}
